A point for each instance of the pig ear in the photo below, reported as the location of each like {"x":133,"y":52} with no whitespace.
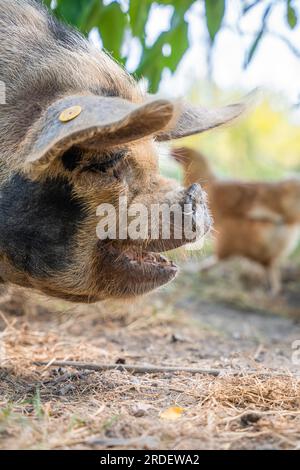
{"x":194,"y":120}
{"x":92,"y":122}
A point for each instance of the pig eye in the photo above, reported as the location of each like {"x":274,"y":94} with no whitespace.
{"x":75,"y":158}
{"x":72,"y":158}
{"x":105,"y":162}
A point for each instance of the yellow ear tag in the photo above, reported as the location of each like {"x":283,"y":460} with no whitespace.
{"x":70,"y":114}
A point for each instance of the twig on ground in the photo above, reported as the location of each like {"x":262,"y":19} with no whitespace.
{"x":129,"y":368}
{"x":136,"y":369}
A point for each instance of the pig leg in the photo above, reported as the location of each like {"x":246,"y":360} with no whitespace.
{"x":274,"y":280}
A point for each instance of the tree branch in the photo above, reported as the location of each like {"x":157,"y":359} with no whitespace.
{"x":288,"y":43}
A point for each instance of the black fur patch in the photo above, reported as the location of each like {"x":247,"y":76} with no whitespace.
{"x":109,"y":161}
{"x":111,"y":92}
{"x":38,"y":222}
{"x":72,"y":158}
{"x":67,"y":37}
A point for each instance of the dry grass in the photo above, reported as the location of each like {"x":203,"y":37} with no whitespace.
{"x":54,"y":408}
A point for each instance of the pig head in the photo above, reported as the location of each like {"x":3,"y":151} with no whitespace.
{"x":77,"y":132}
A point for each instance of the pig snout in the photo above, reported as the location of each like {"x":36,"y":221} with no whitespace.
{"x":195,"y":208}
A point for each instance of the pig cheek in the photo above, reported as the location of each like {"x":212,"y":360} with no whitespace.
{"x":40,"y":223}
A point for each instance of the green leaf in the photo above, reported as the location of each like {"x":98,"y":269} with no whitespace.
{"x":111,"y":24}
{"x":177,"y":38}
{"x":90,"y":16}
{"x":181,"y":6}
{"x":138,"y":15}
{"x":215,"y":11}
{"x":291,"y":15}
{"x":71,"y":11}
{"x":154,"y":62}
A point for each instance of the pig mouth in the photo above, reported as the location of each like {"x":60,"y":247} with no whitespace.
{"x":142,"y":270}
{"x":149,"y":260}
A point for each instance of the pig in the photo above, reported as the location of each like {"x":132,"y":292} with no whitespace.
{"x":77,"y":131}
{"x":256,"y":220}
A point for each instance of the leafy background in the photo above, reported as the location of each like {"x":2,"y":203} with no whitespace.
{"x":120,"y":20}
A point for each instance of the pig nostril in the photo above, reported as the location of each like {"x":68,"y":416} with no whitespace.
{"x":194,"y":194}
{"x":194,"y":190}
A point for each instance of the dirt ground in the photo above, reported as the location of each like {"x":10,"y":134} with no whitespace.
{"x":223,"y":320}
